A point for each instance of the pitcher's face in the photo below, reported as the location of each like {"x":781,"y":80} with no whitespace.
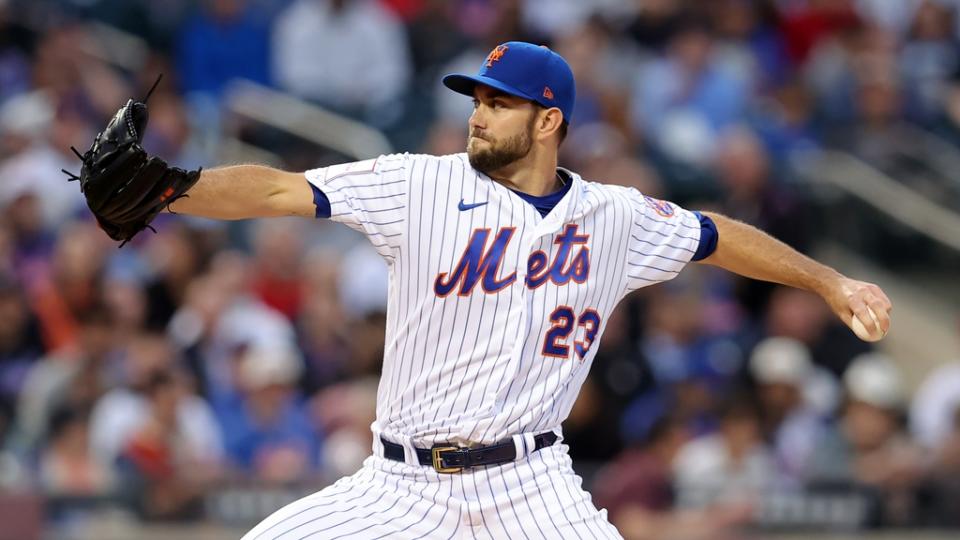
{"x":501,"y":129}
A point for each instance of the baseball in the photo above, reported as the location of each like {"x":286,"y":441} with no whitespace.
{"x":861,"y":331}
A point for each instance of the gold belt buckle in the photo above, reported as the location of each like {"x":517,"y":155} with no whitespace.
{"x":438,"y":462}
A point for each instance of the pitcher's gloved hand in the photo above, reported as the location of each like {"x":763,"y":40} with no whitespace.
{"x":124,"y":186}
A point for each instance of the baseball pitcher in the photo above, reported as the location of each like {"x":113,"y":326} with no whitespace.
{"x":504,"y":269}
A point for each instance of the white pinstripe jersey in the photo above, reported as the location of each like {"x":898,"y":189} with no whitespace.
{"x":494,"y":311}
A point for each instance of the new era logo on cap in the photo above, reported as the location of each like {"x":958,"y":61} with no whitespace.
{"x":525,"y":70}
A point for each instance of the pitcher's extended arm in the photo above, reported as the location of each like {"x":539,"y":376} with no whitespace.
{"x":750,"y":252}
{"x":247,"y":191}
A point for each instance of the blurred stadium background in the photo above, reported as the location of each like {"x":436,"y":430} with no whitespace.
{"x":188,"y":384}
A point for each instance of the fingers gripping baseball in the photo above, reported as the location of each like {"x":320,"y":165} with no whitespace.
{"x":865,"y":308}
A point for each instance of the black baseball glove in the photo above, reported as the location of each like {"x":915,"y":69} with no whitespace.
{"x":125,"y":187}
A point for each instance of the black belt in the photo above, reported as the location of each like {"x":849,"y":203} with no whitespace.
{"x":451,"y":459}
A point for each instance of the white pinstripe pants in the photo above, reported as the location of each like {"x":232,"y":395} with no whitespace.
{"x":532,"y":498}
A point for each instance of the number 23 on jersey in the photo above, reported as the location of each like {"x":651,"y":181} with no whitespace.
{"x":481,"y":264}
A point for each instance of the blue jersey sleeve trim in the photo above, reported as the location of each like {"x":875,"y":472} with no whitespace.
{"x":321,"y":201}
{"x":708,"y":237}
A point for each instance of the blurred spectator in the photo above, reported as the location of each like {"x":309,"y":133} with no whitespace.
{"x":67,"y":467}
{"x":796,"y":314}
{"x":807,"y":23}
{"x":268,"y":430}
{"x":70,"y":286}
{"x":879,"y":137}
{"x":453,"y":110}
{"x":20,"y":346}
{"x":868,"y":446}
{"x":803,"y":316}
{"x":640,"y":476}
{"x":163,"y":470}
{"x":830,"y":74}
{"x":155,"y":22}
{"x":435,"y":39}
{"x":361,"y":291}
{"x":892,"y":16}
{"x":40,"y":140}
{"x":676,"y":341}
{"x":73,"y":377}
{"x":682,"y":102}
{"x":123,"y":411}
{"x":603,"y":65}
{"x":947,"y":122}
{"x":169,"y":133}
{"x":493,"y":22}
{"x":945,"y":476}
{"x":691,"y":365}
{"x":752,"y":195}
{"x":785,"y":123}
{"x":277,"y":249}
{"x":868,"y":97}
{"x":369,"y":82}
{"x":32,"y":240}
{"x":69,"y":66}
{"x":218,"y":318}
{"x":782,"y":368}
{"x":194,"y":330}
{"x":730,"y":468}
{"x":618,"y":369}
{"x":550,"y":18}
{"x":589,"y":430}
{"x":128,"y":304}
{"x":600,"y":152}
{"x":445,"y":138}
{"x":637,"y":491}
{"x":24,"y":119}
{"x":344,"y":413}
{"x":363,"y":280}
{"x":325,"y":346}
{"x":928,"y":58}
{"x":174,"y":258}
{"x":405,"y":9}
{"x":224,"y":40}
{"x":14,"y":476}
{"x":655,"y":23}
{"x":488,"y":24}
{"x":933,"y":405}
{"x":16,"y":44}
{"x":747,"y":36}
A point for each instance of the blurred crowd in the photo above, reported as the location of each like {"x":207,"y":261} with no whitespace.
{"x":212,"y":354}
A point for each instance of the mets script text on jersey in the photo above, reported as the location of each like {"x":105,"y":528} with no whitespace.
{"x":482,"y":264}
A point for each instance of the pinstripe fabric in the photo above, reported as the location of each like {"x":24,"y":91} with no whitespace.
{"x":492,"y":355}
{"x":534,"y":498}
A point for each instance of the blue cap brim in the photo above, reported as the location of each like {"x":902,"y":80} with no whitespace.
{"x":464,"y":84}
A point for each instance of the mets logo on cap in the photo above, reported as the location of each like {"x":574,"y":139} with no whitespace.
{"x":496,"y":54}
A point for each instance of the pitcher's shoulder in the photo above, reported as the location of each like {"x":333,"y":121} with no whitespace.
{"x":456,"y":160}
{"x":430,"y":167}
{"x":610,"y":192}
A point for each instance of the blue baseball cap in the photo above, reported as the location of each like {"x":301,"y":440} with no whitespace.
{"x":525,"y":70}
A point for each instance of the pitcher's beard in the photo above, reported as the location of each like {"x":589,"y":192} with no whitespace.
{"x":497,"y":156}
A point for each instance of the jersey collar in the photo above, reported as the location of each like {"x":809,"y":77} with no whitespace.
{"x":565,"y":210}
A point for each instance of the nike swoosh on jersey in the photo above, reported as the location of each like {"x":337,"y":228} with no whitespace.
{"x":464,"y":206}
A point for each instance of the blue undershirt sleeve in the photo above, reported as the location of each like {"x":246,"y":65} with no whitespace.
{"x":321,"y":201}
{"x":708,"y":237}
